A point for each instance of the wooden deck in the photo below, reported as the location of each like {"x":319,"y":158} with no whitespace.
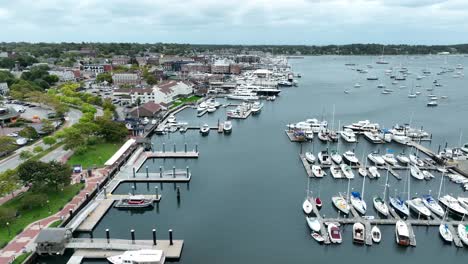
{"x":95,"y":215}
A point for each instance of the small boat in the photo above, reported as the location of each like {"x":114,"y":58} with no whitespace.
{"x":323,"y":135}
{"x":433,"y":205}
{"x":334,"y":233}
{"x":463,"y":233}
{"x":142,"y":256}
{"x":399,"y":205}
{"x":347,"y":171}
{"x":402,"y":158}
{"x":416,"y":160}
{"x":362,"y":171}
{"x":376,"y":234}
{"x":418,"y":207}
{"x":348,"y":135}
{"x":357,"y":85}
{"x":201,"y":107}
{"x":205,"y":130}
{"x":310,"y":157}
{"x":381,"y":85}
{"x":452,"y":204}
{"x":463,"y":202}
{"x":313,"y":223}
{"x":373,"y":137}
{"x":256,"y":108}
{"x":350,"y":158}
{"x":377,"y":159}
{"x":211,"y":108}
{"x":318,"y":202}
{"x":427,"y":175}
{"x":309,"y":134}
{"x":432,"y":103}
{"x":319,"y":238}
{"x":324,"y":158}
{"x":390,"y":159}
{"x":358,"y":203}
{"x":374,"y":172}
{"x":307,"y":206}
{"x":317,"y":171}
{"x":336,"y":157}
{"x":380,"y":206}
{"x":416,"y":173}
{"x":336,"y":172}
{"x":171,"y":119}
{"x":402,"y":233}
{"x":358,"y":233}
{"x":227,"y":127}
{"x":445,"y":233}
{"x":133,"y":201}
{"x":341,"y":204}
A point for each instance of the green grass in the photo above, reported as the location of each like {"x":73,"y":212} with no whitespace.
{"x":47,"y":151}
{"x":57,"y":200}
{"x":180,"y":101}
{"x":56,"y":223}
{"x":21,"y":258}
{"x":96,"y":155}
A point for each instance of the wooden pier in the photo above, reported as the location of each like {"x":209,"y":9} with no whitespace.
{"x":456,"y":238}
{"x":99,"y":248}
{"x":307,"y":166}
{"x":95,"y":215}
{"x":202,"y":113}
{"x":172,"y":154}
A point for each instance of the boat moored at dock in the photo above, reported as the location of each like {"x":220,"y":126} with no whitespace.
{"x":402,"y":233}
{"x":143,"y":256}
{"x":133,"y":202}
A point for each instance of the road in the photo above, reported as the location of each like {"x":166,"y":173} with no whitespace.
{"x":14,"y":160}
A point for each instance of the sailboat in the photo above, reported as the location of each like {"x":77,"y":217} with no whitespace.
{"x":445,"y":233}
{"x":357,"y":200}
{"x":307,"y":205}
{"x":363,"y":169}
{"x":313,"y":223}
{"x":341,"y":203}
{"x":431,"y":203}
{"x":379,"y":203}
{"x":382,"y":60}
{"x":412,"y":94}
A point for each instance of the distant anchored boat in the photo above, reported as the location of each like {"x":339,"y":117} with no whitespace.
{"x":134,"y":201}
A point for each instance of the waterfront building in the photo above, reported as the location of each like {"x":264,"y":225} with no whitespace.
{"x":163,"y":93}
{"x":52,"y":241}
{"x":149,"y":109}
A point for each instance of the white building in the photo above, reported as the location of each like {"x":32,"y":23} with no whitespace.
{"x":164,"y":93}
{"x":126,"y":78}
{"x":4,"y":88}
{"x":64,"y":76}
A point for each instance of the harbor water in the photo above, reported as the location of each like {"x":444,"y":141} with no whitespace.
{"x":244,"y":202}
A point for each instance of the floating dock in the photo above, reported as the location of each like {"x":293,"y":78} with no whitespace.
{"x":292,"y":138}
{"x":95,"y":215}
{"x":172,"y":154}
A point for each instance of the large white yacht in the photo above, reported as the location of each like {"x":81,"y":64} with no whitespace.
{"x":364,"y":125}
{"x":243,"y":95}
{"x":143,"y":256}
{"x":348,"y":135}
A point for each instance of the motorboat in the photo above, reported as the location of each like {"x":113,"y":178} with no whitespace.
{"x":336,"y":172}
{"x":324,"y":158}
{"x":402,"y":158}
{"x":205,"y":129}
{"x":362,"y":171}
{"x":377,"y":159}
{"x":133,"y":201}
{"x":402,"y":233}
{"x":376,"y":234}
{"x":318,"y":202}
{"x":341,"y":204}
{"x":433,"y":205}
{"x":399,"y":205}
{"x":350,"y":158}
{"x":374,"y":172}
{"x":452,"y":204}
{"x":357,"y":85}
{"x":381,"y":85}
{"x":243,"y":95}
{"x":309,"y":134}
{"x":380,"y":206}
{"x":334,"y":233}
{"x":416,"y":160}
{"x":432,"y":103}
{"x":416,"y":173}
{"x":348,"y":135}
{"x":145,"y":121}
{"x":313,"y":223}
{"x":347,"y":171}
{"x":317,"y":171}
{"x":317,"y":237}
{"x":307,"y":206}
{"x":358,"y":203}
{"x":463,"y":233}
{"x":336,"y":157}
{"x":445,"y":233}
{"x":227,"y":127}
{"x":310,"y":157}
{"x":363,"y":125}
{"x":201,"y":107}
{"x":390,"y":159}
{"x":256,"y":107}
{"x":427,"y":175}
{"x":463,"y":202}
{"x":372,"y":137}
{"x":316,"y":125}
{"x":372,"y":78}
{"x":171,"y":119}
{"x":142,"y":256}
{"x":358,"y":233}
{"x":323,"y":135}
{"x":211,"y":108}
{"x":464,"y":148}
{"x":417,"y":205}
{"x":405,"y":140}
{"x":333,"y":136}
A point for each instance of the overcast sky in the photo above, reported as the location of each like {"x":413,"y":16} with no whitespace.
{"x":236,"y":21}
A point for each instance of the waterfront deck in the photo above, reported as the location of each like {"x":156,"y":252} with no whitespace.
{"x":94,"y":215}
{"x":172,"y":154}
{"x":99,"y":248}
{"x":292,"y":138}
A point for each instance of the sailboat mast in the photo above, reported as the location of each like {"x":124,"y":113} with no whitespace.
{"x":409,"y":180}
{"x":333,"y":119}
{"x":440,"y":185}
{"x":385,"y":187}
{"x":347,"y":194}
{"x":363,"y":186}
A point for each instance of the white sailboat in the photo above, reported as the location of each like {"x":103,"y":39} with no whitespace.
{"x":341,"y":203}
{"x":379,"y":202}
{"x":445,"y":233}
{"x":310,"y":157}
{"x":318,"y":171}
{"x":463,"y":233}
{"x":347,"y":171}
{"x":313,"y":223}
{"x":307,"y":205}
{"x":416,"y":172}
{"x":357,"y":199}
{"x":374,"y":172}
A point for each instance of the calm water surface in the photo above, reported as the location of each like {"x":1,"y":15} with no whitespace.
{"x":244,"y":201}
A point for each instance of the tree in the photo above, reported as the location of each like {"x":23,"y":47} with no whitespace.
{"x":151,"y":80}
{"x":49,"y":140}
{"x":7,"y":144}
{"x":38,"y":149}
{"x":108,"y":105}
{"x":20,"y":88}
{"x":8,"y":181}
{"x":7,"y":77}
{"x":29,"y":132}
{"x":51,"y":79}
{"x":25,"y":154}
{"x":105,"y":76}
{"x":7,"y":215}
{"x":40,"y":174}
{"x":110,"y":130}
{"x":47,"y":127}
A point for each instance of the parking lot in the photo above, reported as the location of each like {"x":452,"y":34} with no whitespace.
{"x":31,"y":112}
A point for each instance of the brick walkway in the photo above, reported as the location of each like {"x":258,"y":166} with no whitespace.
{"x":24,"y":241}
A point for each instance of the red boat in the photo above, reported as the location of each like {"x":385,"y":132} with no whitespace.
{"x":318,"y":203}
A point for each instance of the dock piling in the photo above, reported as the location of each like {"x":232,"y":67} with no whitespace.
{"x":178,"y":193}
{"x":160,"y":172}
{"x":187,"y":169}
{"x":71,"y":212}
{"x":154,"y":237}
{"x":105,"y":192}
{"x":185,"y":147}
{"x":133,"y":190}
{"x":157,"y":191}
{"x":175,"y":147}
{"x":132,"y":233}
{"x":87,"y":195}
{"x":196,"y":147}
{"x":164,"y":147}
{"x":170,"y":237}
{"x":173,"y":171}
{"x":147,"y":173}
{"x":91,"y":236}
{"x":134,"y":172}
{"x":107,"y":236}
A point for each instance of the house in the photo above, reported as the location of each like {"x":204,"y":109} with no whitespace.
{"x":64,"y":76}
{"x":163,"y":93}
{"x":143,"y":94}
{"x":126,"y":78}
{"x":120,"y":60}
{"x":149,"y":109}
{"x":52,"y":241}
{"x":4,"y":88}
{"x":97,"y":68}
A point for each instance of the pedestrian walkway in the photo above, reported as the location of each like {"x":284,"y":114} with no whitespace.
{"x":24,"y":241}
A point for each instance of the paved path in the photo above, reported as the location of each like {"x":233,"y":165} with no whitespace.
{"x":24,"y":241}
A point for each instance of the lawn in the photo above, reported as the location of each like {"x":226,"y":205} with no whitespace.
{"x":96,"y":155}
{"x":56,"y":223}
{"x":180,"y":101}
{"x":20,"y":259}
{"x":57,"y":200}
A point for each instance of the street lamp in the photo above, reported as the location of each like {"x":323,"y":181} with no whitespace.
{"x":48,"y":206}
{"x":8,"y":226}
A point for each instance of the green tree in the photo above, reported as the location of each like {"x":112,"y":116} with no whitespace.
{"x":151,"y":80}
{"x":7,"y":215}
{"x":33,"y":201}
{"x":51,"y":79}
{"x":40,"y":174}
{"x":38,"y":149}
{"x":29,"y":132}
{"x":105,"y":76}
{"x":47,"y":126}
{"x":7,"y":77}
{"x":8,"y":181}
{"x":20,"y":88}
{"x":49,"y":140}
{"x":25,"y":154}
{"x":110,"y":130}
{"x":7,"y":144}
{"x":108,"y":105}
